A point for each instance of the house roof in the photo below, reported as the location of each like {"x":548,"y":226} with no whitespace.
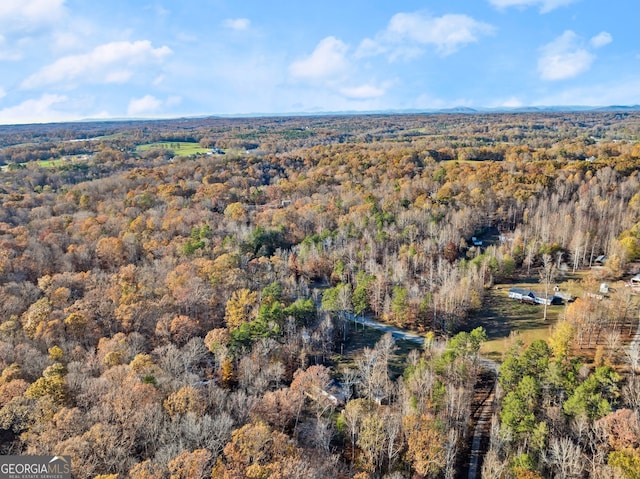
{"x":523,"y":292}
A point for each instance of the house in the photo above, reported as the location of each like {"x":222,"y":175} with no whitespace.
{"x":528,"y":296}
{"x":333,"y":394}
{"x":601,"y":259}
{"x":522,"y":295}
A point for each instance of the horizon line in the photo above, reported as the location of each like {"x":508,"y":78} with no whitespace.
{"x":390,"y":111}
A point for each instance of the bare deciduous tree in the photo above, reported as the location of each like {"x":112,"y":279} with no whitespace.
{"x":547,"y":276}
{"x":565,"y":458}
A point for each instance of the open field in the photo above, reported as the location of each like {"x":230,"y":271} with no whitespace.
{"x":65,"y":160}
{"x":180,"y":148}
{"x":502,"y":315}
{"x":53,"y":163}
{"x":97,"y":138}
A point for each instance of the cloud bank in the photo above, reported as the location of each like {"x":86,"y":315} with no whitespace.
{"x":564,"y":58}
{"x":109,"y":63}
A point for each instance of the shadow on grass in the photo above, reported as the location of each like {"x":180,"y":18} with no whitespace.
{"x":501,"y":316}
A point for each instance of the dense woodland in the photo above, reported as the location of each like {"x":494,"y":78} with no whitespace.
{"x":183,"y":317}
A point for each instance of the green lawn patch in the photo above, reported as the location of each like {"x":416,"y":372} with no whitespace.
{"x":52,"y":163}
{"x":501,"y":315}
{"x":64,"y":161}
{"x":180,"y":148}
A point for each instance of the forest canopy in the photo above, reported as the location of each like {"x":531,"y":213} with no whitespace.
{"x":168,"y":315}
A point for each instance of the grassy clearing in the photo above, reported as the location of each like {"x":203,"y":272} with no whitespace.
{"x":359,"y":338}
{"x":64,"y":161}
{"x":53,"y":163}
{"x":501,"y":315}
{"x":180,"y":148}
{"x":97,"y":138}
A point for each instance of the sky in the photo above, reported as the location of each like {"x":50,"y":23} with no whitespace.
{"x":66,"y":60}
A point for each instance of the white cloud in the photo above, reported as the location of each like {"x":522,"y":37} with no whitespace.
{"x":332,"y":67}
{"x":601,"y":39}
{"x":330,"y":71}
{"x":239,"y":24}
{"x":149,"y":104}
{"x":328,"y":61}
{"x":108,"y":63}
{"x":407,"y":34}
{"x":74,"y":34}
{"x":363,"y":92}
{"x":146,"y":104}
{"x":512,"y":102}
{"x":118,"y":76}
{"x":545,"y":5}
{"x":16,"y":15}
{"x":564,"y":58}
{"x":25,"y":23}
{"x":369,"y":48}
{"x":65,"y":40}
{"x":38,"y":110}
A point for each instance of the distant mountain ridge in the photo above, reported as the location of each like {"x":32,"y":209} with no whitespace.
{"x":457,"y":110}
{"x":409,"y":111}
{"x":450,"y":110}
{"x":517,"y":109}
{"x":541,"y":109}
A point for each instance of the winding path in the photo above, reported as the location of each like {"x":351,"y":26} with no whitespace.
{"x":486,"y":413}
{"x":396,"y":332}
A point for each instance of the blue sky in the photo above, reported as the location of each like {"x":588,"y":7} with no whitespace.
{"x":75,"y":59}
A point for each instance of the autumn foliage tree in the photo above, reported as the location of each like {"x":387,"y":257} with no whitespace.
{"x":152,"y":303}
{"x":240,"y":308}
